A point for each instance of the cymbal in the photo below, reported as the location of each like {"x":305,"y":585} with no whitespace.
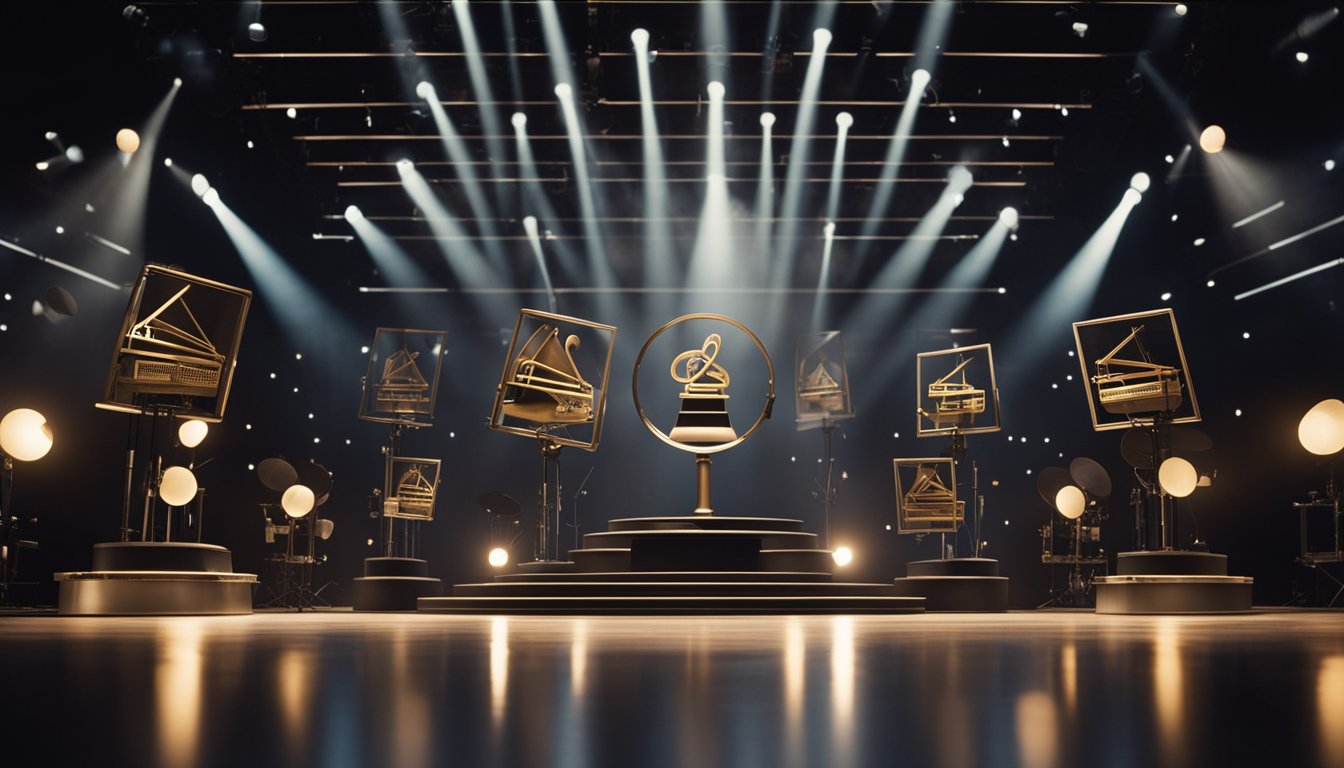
{"x":1049,"y":481}
{"x":499,"y":504}
{"x":1091,"y":477}
{"x":1137,"y":444}
{"x":277,"y":474}
{"x":318,"y":480}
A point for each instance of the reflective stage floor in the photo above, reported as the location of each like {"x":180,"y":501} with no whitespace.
{"x":344,"y":689}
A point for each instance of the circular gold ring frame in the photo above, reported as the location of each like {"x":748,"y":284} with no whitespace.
{"x":705,"y":449}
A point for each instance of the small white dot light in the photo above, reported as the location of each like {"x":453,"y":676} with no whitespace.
{"x":424,"y":89}
{"x":920,"y":78}
{"x":1199,"y":241}
{"x":1140,"y":181}
{"x":519,"y":120}
{"x":844,"y":120}
{"x":291,"y":113}
{"x":1329,"y":165}
{"x":767,"y":120}
{"x":1301,"y":57}
{"x":199,"y":184}
{"x":1166,"y":296}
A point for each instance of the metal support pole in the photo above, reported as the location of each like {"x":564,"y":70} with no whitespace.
{"x":702,"y":498}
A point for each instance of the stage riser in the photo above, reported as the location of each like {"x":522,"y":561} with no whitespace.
{"x":767,"y":539}
{"x":971,"y":594}
{"x":706,"y":522}
{"x":664,"y":589}
{"x":161,"y":556}
{"x":116,"y":596}
{"x":691,"y":606}
{"x":1170,"y":563}
{"x":1230,"y":594}
{"x":396,"y":566}
{"x":393,"y":593}
{"x":957,"y":566}
{"x":683,"y":576}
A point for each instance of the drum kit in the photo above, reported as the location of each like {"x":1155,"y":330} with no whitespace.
{"x":1073,"y":538}
{"x":290,"y":581}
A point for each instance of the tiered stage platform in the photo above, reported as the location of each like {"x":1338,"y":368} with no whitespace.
{"x":681,"y":565}
{"x":969,"y":584}
{"x":1172,"y":581}
{"x":157,"y":579}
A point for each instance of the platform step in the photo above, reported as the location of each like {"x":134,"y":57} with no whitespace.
{"x":155,"y":593}
{"x":970,"y":594}
{"x":673,"y":605}
{"x":1170,"y":563}
{"x":954,"y":566}
{"x":604,"y":559}
{"x":395,"y":566}
{"x":393,"y":593}
{"x":161,"y":556}
{"x":795,"y":560}
{"x":669,"y":588}
{"x":1173,"y":594}
{"x":683,"y":576}
{"x":693,"y":536}
{"x":705,"y":522}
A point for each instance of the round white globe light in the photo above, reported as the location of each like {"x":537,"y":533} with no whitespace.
{"x":199,"y":184}
{"x":844,"y":120}
{"x":128,"y":141}
{"x":640,"y":37}
{"x":519,"y":120}
{"x":1009,"y":217}
{"x":821,"y":37}
{"x":1212,"y":139}
{"x":920,"y":78}
{"x":1071,"y":502}
{"x":1177,"y":477}
{"x":498,"y":557}
{"x":192,"y":432}
{"x":25,"y":434}
{"x":1140,"y":181}
{"x":352,"y":212}
{"x":1321,"y":430}
{"x":297,"y":501}
{"x":714,"y":89}
{"x":563,"y":91}
{"x":177,"y":487}
{"x":767,"y":119}
{"x":843,"y":556}
{"x":424,"y":89}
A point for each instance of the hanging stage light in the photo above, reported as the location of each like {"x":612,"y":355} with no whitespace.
{"x":498,"y":557}
{"x":1321,"y":430}
{"x":298,"y":500}
{"x":1071,"y":502}
{"x":192,"y":432}
{"x":1212,"y":139}
{"x":256,"y":32}
{"x":199,"y":184}
{"x":1140,"y":182}
{"x":177,"y":487}
{"x":352,"y":213}
{"x":25,"y":434}
{"x":1177,"y":477}
{"x":128,"y":141}
{"x":843,"y":556}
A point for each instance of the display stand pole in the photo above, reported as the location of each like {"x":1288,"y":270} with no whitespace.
{"x":703,"y":505}
{"x":828,"y":488}
{"x":550,"y":456}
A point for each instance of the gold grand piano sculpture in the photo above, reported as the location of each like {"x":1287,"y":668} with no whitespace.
{"x":703,"y":418}
{"x":928,"y":505}
{"x":956,"y":403}
{"x":544,"y":385}
{"x":821,"y":389}
{"x":1152,"y":388}
{"x":402,"y":388}
{"x":163,"y":357}
{"x":415,"y":493}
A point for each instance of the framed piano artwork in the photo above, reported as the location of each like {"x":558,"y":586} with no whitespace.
{"x":926,"y":496}
{"x":957,"y":392}
{"x":1135,"y":370}
{"x":402,"y":380}
{"x":412,"y":485}
{"x":821,"y":391}
{"x":554,"y":382}
{"x":177,"y":347}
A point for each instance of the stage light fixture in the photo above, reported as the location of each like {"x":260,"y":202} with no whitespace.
{"x":167,"y":162}
{"x":178,"y":486}
{"x":424,"y":89}
{"x":404,"y":164}
{"x":919,"y":78}
{"x":768,"y":121}
{"x":821,"y":38}
{"x":1177,"y":477}
{"x":499,"y":557}
{"x":60,"y":230}
{"x":1199,"y":241}
{"x":42,"y":165}
{"x":1169,"y":159}
{"x":25,"y":434}
{"x":1212,"y":139}
{"x":291,"y":113}
{"x":199,"y":184}
{"x":844,"y":120}
{"x":951,"y":116}
{"x":1166,"y":296}
{"x":298,"y":500}
{"x":1329,"y":165}
{"x":519,"y":120}
{"x":51,"y":136}
{"x":1181,"y":9}
{"x":192,"y":432}
{"x":640,"y":37}
{"x":1321,"y":430}
{"x":353,"y":213}
{"x":1132,"y":197}
{"x":1210,"y":283}
{"x":1080,"y":28}
{"x":1301,"y":57}
{"x":1071,"y":502}
{"x":563,"y":91}
{"x":843,"y":556}
{"x":74,"y":154}
{"x":1140,"y":181}
{"x":128,"y":141}
{"x":1017,"y":114}
{"x":715,"y":89}
{"x":211,"y":197}
{"x":1009,"y":217}
{"x":256,"y":32}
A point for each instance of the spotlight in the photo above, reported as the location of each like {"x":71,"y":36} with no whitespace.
{"x":1006,"y":142}
{"x":1140,"y":181}
{"x":51,"y":136}
{"x":74,"y":154}
{"x":297,"y":501}
{"x":499,"y":557}
{"x":843,"y":556}
{"x":177,"y":487}
{"x":1071,"y":502}
{"x":1212,"y":139}
{"x":919,"y":78}
{"x":404,"y":164}
{"x":177,"y":82}
{"x":352,"y":213}
{"x":1301,"y":57}
{"x":1199,"y":241}
{"x":1017,"y":114}
{"x":1169,"y":159}
{"x":519,"y":120}
{"x":41,"y":165}
{"x":211,"y":197}
{"x":256,"y":32}
{"x":128,"y":141}
{"x":530,"y":224}
{"x":1080,"y":28}
{"x":829,"y":230}
{"x":1329,"y":165}
{"x":959,"y":177}
{"x":821,"y":38}
{"x":563,"y":91}
{"x":951,"y":116}
{"x":1177,"y":477}
{"x":1166,"y":296}
{"x":1181,"y":10}
{"x":167,"y":162}
{"x":25,"y":434}
{"x":1210,"y":283}
{"x":1321,"y":430}
{"x":640,"y":37}
{"x":1009,"y":217}
{"x":291,"y":113}
{"x":1063,"y":111}
{"x":844,"y":120}
{"x":192,"y":432}
{"x":1132,"y":197}
{"x":768,"y":120}
{"x":60,"y":230}
{"x":199,"y":184}
{"x":424,"y":89}
{"x":250,"y":145}
{"x":715,"y":90}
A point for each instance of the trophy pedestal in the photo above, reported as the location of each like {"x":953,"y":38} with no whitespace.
{"x":1172,"y":582}
{"x":702,"y":564}
{"x":966,"y":584}
{"x":150,"y":578}
{"x":394,"y":584}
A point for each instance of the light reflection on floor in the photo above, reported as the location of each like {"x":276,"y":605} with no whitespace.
{"x":340,"y":689}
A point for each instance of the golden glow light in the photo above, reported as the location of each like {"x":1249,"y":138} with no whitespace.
{"x":297,"y":501}
{"x":192,"y":432}
{"x":498,"y":557}
{"x":128,"y":141}
{"x":1321,"y":430}
{"x":25,"y":434}
{"x":1177,"y":477}
{"x":1212,"y":139}
{"x":1070,"y":502}
{"x":178,"y":486}
{"x":843,"y":556}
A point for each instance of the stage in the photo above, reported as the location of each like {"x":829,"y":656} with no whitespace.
{"x":337,"y":688}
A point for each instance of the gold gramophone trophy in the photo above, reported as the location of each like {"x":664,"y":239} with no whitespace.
{"x":703,"y":426}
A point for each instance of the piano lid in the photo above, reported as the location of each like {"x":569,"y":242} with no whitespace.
{"x":173,"y":326}
{"x":400,"y":369}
